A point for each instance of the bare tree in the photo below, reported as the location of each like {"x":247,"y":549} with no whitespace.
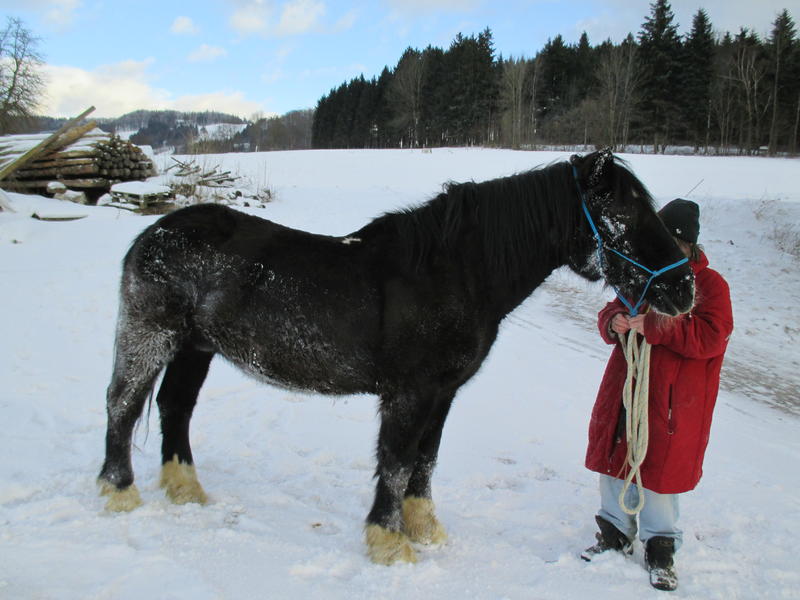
{"x":723,"y":105}
{"x":750,"y":72}
{"x":21,"y":80}
{"x":619,"y":78}
{"x":534,"y":74}
{"x":515,"y":78}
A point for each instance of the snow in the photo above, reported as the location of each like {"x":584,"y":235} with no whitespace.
{"x":140,"y":188}
{"x":290,"y":475}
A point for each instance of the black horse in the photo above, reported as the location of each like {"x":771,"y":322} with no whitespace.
{"x":406,"y":308}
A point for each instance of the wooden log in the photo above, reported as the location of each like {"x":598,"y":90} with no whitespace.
{"x":62,"y":162}
{"x":41,"y":147}
{"x":74,"y":154}
{"x":96,"y":182}
{"x":56,"y":171}
{"x":71,"y":136}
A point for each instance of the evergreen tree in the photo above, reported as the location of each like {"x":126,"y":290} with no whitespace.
{"x":583,"y":70}
{"x":660,"y":49}
{"x":697,"y":78}
{"x":472,"y":86}
{"x":405,"y":96}
{"x":364,"y":117}
{"x":435,"y":98}
{"x":381,"y":134}
{"x":557,"y":60}
{"x":782,"y":46}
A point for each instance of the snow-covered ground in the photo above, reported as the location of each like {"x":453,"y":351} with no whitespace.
{"x":290,"y":475}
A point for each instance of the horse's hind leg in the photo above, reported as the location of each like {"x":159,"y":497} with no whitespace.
{"x":176,"y":400}
{"x":419,"y":520}
{"x":140,"y":355}
{"x":403,"y":419}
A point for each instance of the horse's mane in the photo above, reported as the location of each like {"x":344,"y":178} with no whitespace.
{"x":506,"y":222}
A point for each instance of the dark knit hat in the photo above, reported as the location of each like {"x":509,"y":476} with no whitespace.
{"x":682,"y":218}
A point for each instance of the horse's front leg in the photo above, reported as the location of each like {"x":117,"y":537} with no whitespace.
{"x":403,"y":418}
{"x":419,"y":520}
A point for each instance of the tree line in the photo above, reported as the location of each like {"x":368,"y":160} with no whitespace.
{"x":291,"y":131}
{"x":714,"y":93}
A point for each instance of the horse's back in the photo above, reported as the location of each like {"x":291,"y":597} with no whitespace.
{"x":296,"y":308}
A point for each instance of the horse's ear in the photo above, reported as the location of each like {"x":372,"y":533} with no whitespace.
{"x":603,"y":159}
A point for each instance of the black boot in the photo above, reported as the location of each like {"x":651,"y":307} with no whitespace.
{"x":608,"y":538}
{"x":658,"y":554}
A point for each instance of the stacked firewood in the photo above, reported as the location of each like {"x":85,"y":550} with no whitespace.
{"x":105,"y":161}
{"x":81,"y":158}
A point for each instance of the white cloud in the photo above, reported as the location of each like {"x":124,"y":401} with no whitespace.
{"x":57,"y":13}
{"x":206,"y":53}
{"x":123,"y":87}
{"x":346,"y":22}
{"x":184,"y":26}
{"x":273,"y":70}
{"x":233,"y":103}
{"x":300,"y":16}
{"x":293,"y":17}
{"x":414,"y":7}
{"x":251,"y":16}
{"x":335,"y":72}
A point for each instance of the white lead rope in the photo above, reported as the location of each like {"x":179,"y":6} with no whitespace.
{"x":635,"y":400}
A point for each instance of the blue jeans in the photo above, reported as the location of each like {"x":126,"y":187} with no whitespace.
{"x":659,"y":515}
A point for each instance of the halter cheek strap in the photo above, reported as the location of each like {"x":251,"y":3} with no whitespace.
{"x":633,"y":309}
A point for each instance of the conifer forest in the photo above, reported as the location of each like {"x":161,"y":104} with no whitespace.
{"x":706,"y":91}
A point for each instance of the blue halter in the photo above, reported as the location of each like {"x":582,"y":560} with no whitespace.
{"x":633,"y":309}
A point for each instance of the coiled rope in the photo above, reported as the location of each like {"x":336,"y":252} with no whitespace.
{"x":635,"y":399}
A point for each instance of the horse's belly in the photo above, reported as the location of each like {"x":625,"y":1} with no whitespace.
{"x":298,"y":353}
{"x":310,"y":367}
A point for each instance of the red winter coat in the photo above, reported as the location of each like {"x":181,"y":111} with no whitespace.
{"x":685,"y":362}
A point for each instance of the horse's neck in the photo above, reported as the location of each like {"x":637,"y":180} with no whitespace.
{"x":506,"y":293}
{"x":510,"y":287}
{"x":499,"y":289}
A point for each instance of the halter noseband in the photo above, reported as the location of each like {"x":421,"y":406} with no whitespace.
{"x":633,"y":309}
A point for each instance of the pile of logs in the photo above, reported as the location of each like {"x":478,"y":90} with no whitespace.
{"x":81,"y":157}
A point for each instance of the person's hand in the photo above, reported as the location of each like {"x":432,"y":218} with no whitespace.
{"x":637,"y":324}
{"x":619,"y":324}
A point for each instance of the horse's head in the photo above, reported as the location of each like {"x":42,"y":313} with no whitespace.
{"x":635,"y":242}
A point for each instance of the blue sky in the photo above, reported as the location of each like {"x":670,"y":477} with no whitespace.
{"x":263,"y":56}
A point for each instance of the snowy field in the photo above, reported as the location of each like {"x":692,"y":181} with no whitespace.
{"x":290,"y":475}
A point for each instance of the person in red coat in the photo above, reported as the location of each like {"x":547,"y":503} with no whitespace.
{"x":685,"y":362}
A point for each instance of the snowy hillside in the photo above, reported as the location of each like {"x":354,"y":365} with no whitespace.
{"x":290,"y":475}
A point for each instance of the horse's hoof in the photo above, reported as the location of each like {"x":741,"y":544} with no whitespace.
{"x":386,"y":547}
{"x":179,"y":480}
{"x":420,"y":523}
{"x":124,"y":500}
